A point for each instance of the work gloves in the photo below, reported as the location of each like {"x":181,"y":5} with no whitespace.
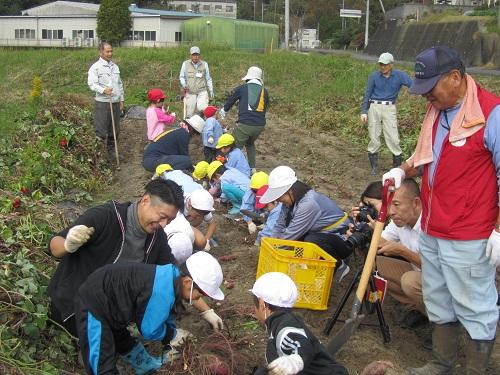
{"x":169,"y":355}
{"x":76,"y":237}
{"x":286,"y":365}
{"x":213,"y":319}
{"x":207,"y":247}
{"x":364,"y":118}
{"x":493,"y":248}
{"x":210,"y":140}
{"x":252,"y":228}
{"x":222,"y":113}
{"x":182,"y":335}
{"x":397,"y":174}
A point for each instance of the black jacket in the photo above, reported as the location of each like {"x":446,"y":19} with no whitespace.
{"x":104,"y":247}
{"x":173,"y":142}
{"x":248,"y":113}
{"x":289,"y":335}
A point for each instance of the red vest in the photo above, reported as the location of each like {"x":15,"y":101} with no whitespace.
{"x":462,"y":203}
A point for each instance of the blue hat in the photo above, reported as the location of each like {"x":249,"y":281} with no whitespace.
{"x":430,"y":65}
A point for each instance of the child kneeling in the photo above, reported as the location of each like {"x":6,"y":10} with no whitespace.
{"x":149,"y":296}
{"x":291,"y":346}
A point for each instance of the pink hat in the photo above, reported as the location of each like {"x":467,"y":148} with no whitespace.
{"x":258,"y":195}
{"x":155,"y":94}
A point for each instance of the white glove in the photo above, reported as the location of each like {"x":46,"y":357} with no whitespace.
{"x":286,"y":365}
{"x":252,"y":228}
{"x":76,"y":237}
{"x":222,"y":113}
{"x":210,"y":140}
{"x":395,"y":173}
{"x":213,"y":319}
{"x":364,"y":118}
{"x":170,"y":355}
{"x":181,"y":336}
{"x":172,"y":114}
{"x":493,"y":248}
{"x":207,"y":246}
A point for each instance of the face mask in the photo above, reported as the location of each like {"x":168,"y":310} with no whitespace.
{"x":191,"y":293}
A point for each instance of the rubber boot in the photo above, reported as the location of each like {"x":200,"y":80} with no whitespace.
{"x":373,"y":162}
{"x":444,"y":348}
{"x":477,"y":354}
{"x":396,"y":160}
{"x":142,"y":362}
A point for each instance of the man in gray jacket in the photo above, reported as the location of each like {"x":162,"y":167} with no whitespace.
{"x":104,"y":79}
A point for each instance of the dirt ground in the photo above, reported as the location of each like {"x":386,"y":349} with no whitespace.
{"x":334,"y":167}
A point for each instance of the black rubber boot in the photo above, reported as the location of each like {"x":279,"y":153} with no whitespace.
{"x":373,"y":162}
{"x":396,"y":160}
{"x":477,"y":355}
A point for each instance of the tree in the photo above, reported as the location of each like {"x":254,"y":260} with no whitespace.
{"x":113,"y":21}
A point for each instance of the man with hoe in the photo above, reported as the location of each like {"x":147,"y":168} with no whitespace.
{"x":458,"y":155}
{"x":196,"y":82}
{"x":379,"y":109}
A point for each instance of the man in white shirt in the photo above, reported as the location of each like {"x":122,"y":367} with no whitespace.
{"x":104,"y":79}
{"x":399,"y":259}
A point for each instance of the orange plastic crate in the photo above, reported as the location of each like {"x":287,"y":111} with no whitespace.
{"x":309,"y":266}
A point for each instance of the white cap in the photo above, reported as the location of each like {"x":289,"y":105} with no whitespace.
{"x":202,"y":200}
{"x":386,"y":58}
{"x":181,"y":246}
{"x":276,"y":288}
{"x":196,"y":122}
{"x":253,"y":72}
{"x":281,"y":180}
{"x":194,"y":49}
{"x":206,"y":272}
{"x":179,"y":225}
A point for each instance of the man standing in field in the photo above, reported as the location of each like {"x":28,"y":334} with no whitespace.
{"x":379,"y":109}
{"x":196,"y":82}
{"x":104,"y":79}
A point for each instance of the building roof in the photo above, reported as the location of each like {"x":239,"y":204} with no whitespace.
{"x":201,"y":2}
{"x":73,"y":8}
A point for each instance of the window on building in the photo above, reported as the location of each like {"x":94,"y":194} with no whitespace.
{"x":24,"y":33}
{"x":229,"y":8}
{"x":206,"y":8}
{"x":151,"y":35}
{"x":84,"y":34}
{"x":218,"y":8}
{"x":178,"y":36}
{"x":52,"y":34}
{"x":138,"y":35}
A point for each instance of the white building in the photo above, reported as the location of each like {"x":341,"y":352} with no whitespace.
{"x":224,"y":8}
{"x":73,"y":24}
{"x":306,"y":38}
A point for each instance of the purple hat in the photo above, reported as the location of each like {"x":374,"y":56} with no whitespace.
{"x":430,"y":65}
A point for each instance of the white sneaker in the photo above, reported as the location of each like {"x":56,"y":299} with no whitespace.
{"x":341,"y":272}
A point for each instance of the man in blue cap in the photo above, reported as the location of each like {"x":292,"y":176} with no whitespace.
{"x":458,"y":156}
{"x":379,"y":109}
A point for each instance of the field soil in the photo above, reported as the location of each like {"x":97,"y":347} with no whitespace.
{"x":334,"y":167}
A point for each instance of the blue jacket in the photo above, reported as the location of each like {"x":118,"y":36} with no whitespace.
{"x":249,"y":96}
{"x":212,"y":129}
{"x":185,"y":181}
{"x":234,"y":177}
{"x":248,"y":203}
{"x":270,"y":223}
{"x":236,"y":159}
{"x":312,"y":214}
{"x":138,"y":293}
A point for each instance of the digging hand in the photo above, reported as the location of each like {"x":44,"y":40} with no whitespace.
{"x":252,"y":228}
{"x":181,"y":336}
{"x":207,"y":247}
{"x":213,"y":319}
{"x":210,"y":140}
{"x":76,"y":237}
{"x":169,"y":355}
{"x":395,"y":173}
{"x":493,"y":248}
{"x":377,"y":368}
{"x":286,"y":365}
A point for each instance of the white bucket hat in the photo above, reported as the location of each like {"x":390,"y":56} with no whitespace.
{"x":281,"y":180}
{"x":196,"y":122}
{"x":194,"y":49}
{"x":206,"y":272}
{"x":253,"y":72}
{"x":276,"y":288}
{"x":386,"y":58}
{"x":181,"y":246}
{"x":202,"y":200}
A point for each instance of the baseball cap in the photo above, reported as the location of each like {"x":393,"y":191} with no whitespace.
{"x":258,"y":195}
{"x":194,"y":49}
{"x":430,"y":65}
{"x":210,"y":111}
{"x":386,"y":58}
{"x":277,"y":289}
{"x":155,"y":94}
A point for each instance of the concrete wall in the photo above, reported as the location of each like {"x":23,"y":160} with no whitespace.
{"x":407,"y":40}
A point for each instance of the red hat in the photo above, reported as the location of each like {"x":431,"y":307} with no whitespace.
{"x":155,"y":94}
{"x":259,"y":195}
{"x":210,"y":111}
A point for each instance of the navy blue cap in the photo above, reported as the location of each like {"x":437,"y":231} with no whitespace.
{"x":430,"y":65}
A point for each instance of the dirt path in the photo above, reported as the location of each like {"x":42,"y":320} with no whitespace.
{"x":334,"y":167}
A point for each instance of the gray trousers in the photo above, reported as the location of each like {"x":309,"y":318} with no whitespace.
{"x":102,"y":121}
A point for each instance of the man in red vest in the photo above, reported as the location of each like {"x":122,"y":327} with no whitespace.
{"x":458,"y":157}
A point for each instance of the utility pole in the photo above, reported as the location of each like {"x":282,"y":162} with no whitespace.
{"x":498,"y":14}
{"x":254,"y":9}
{"x":287,"y":22}
{"x":262,"y":10}
{"x":367,"y":21}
